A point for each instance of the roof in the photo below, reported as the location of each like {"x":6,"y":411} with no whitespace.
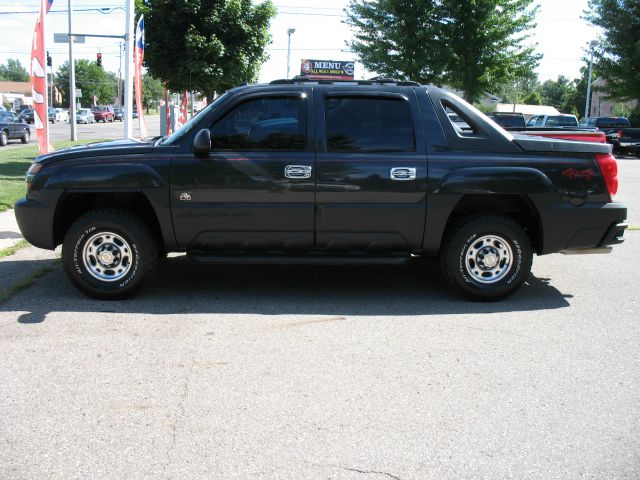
{"x":527,"y":109}
{"x":16,"y":87}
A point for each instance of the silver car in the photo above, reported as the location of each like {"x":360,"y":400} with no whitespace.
{"x":84,"y":115}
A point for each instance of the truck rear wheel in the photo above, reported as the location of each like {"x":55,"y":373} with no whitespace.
{"x":486,"y":257}
{"x":109,"y":253}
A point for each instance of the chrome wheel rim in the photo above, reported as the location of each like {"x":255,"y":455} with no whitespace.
{"x":107,"y":256}
{"x":488,"y":259}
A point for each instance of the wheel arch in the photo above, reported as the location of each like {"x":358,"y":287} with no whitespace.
{"x":519,"y":208}
{"x":73,"y":204}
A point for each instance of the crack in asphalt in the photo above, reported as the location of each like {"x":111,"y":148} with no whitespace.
{"x":357,"y":470}
{"x":180,"y":411}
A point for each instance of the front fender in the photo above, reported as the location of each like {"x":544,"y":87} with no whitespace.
{"x":104,"y":176}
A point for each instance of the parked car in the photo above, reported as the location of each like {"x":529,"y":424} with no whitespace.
{"x":84,"y":115}
{"x":62,"y":115}
{"x":508,"y":119}
{"x":344,"y":172}
{"x":562,"y":120}
{"x":11,"y":127}
{"x":118,"y":114}
{"x":606,"y":124}
{"x":51,"y":113}
{"x":103,"y":113}
{"x":26,"y":115}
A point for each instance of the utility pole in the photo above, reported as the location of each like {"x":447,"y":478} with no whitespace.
{"x":128,"y":81}
{"x":592,"y":46}
{"x":72,"y":78}
{"x":290,"y":32}
{"x":120,"y":47}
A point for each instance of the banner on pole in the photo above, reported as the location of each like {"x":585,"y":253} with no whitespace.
{"x":182,"y":119}
{"x":39,"y":82}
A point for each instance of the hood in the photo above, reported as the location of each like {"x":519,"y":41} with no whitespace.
{"x":127,"y":146}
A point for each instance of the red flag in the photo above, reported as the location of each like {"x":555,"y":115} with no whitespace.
{"x":138,"y":53}
{"x":167,"y":112}
{"x":183,"y":109}
{"x":39,"y":84}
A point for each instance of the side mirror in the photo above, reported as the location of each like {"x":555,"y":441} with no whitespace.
{"x":202,"y":143}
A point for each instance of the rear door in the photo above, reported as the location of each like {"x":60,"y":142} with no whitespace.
{"x":371,"y":170}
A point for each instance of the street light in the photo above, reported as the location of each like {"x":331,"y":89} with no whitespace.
{"x":290,"y":31}
{"x":592,"y":45}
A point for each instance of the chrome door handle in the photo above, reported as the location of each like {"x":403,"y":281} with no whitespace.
{"x":403,"y":173}
{"x":297,"y":171}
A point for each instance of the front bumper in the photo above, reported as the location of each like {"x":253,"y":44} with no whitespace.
{"x":36,"y":218}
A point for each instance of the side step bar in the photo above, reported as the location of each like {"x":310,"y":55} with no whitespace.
{"x":309,"y":259}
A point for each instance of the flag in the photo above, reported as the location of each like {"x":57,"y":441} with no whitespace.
{"x":182,"y":119}
{"x":95,"y":100}
{"x":167,"y":112}
{"x":39,"y":84}
{"x":138,"y":54}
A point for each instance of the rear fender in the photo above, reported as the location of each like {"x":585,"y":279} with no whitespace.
{"x":494,"y":180}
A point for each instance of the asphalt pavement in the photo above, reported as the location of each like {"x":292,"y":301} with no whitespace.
{"x":286,"y":372}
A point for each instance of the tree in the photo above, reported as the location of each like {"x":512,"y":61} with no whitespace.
{"x":152,"y":91}
{"x":532,"y":99}
{"x":13,"y":71}
{"x":91,"y":79}
{"x":618,"y":53}
{"x":475,"y":45}
{"x":206,"y":45}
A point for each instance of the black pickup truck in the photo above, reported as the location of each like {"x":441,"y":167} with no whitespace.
{"x":625,"y":141}
{"x":325,"y":172}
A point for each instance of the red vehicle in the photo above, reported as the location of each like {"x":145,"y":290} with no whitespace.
{"x":103,"y":113}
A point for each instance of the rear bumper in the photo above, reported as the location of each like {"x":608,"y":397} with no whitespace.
{"x":592,"y":225}
{"x":36,"y":218}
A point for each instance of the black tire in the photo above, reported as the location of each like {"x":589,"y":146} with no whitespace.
{"x":496,"y":239}
{"x":111,"y":230}
{"x":26,"y":137}
{"x":4,"y":138}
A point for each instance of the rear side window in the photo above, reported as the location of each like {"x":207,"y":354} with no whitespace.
{"x":369,"y":124}
{"x":266,"y":123}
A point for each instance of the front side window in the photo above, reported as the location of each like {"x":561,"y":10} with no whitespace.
{"x":369,"y":124}
{"x":266,"y":123}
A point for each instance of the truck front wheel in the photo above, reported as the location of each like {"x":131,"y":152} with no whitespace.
{"x":487,"y":257}
{"x":108,"y":253}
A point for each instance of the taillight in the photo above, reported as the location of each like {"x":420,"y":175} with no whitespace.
{"x":609,"y":169}
{"x":619,"y":135}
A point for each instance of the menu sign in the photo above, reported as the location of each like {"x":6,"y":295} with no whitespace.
{"x":327,"y":69}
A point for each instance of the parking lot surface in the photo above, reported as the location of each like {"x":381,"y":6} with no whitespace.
{"x":328,"y":373}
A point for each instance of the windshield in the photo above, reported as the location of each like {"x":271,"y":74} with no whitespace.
{"x":193,"y":121}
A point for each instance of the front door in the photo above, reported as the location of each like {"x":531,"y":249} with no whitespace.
{"x":255,"y":191}
{"x":371,"y":171}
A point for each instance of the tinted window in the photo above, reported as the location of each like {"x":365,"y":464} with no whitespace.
{"x":508,"y":120}
{"x":369,"y":124}
{"x":612,"y":122}
{"x":268,"y":123}
{"x":561,"y":121}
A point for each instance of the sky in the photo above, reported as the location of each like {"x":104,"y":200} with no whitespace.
{"x":561,"y":35}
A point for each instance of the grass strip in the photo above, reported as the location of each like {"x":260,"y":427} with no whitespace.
{"x":26,"y":282}
{"x":634,"y":227}
{"x":5,"y":252}
{"x":14,"y":163}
